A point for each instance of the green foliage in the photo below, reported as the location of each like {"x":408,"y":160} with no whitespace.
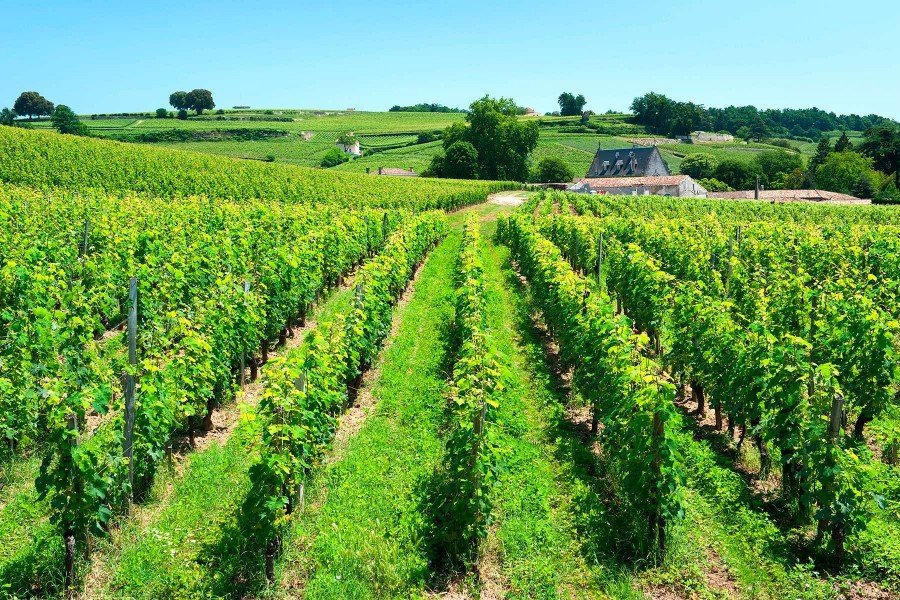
{"x":882,"y":145}
{"x":333,"y":158}
{"x":460,"y":161}
{"x":776,"y":165}
{"x":182,"y":114}
{"x":553,"y":170}
{"x":699,"y":166}
{"x":425,"y":107}
{"x":570,"y":104}
{"x":66,"y":121}
{"x":843,"y":144}
{"x":162,"y":113}
{"x":842,"y":171}
{"x":739,"y":175}
{"x":634,"y":404}
{"x":199,"y":100}
{"x":712,"y":184}
{"x":297,"y":412}
{"x":179,"y":101}
{"x":32,"y":104}
{"x":502,"y":141}
{"x":7,"y":117}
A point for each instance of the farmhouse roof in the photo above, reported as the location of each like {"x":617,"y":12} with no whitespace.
{"x":791,"y":196}
{"x":621,"y":182}
{"x":628,"y":162}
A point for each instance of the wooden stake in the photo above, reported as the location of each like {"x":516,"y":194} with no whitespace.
{"x":128,"y":448}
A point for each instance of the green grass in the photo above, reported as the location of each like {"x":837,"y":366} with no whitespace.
{"x":360,"y":536}
{"x":31,"y":553}
{"x":545,"y":492}
{"x":188,"y":539}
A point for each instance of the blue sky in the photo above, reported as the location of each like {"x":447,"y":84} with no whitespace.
{"x":124,"y":56}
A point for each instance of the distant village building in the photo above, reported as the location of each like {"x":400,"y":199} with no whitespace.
{"x":394,"y":172}
{"x":628,"y":162}
{"x":353,"y":148}
{"x":530,"y":112}
{"x":705,"y":137}
{"x":791,"y":196}
{"x":306,"y":135}
{"x":659,"y":185}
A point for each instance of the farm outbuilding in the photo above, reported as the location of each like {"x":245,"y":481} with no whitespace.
{"x":665,"y":185}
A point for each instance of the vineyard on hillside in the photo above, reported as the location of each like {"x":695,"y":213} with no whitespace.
{"x":228,"y":379}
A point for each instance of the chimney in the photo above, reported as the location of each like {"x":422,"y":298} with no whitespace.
{"x":756,"y":191}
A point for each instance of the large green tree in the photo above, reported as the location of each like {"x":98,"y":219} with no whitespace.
{"x":502,"y":141}
{"x":178,"y":100}
{"x":200,"y":100}
{"x":33,"y":105}
{"x":570,"y":104}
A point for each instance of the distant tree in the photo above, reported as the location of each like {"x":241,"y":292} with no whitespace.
{"x":758,"y":130}
{"x":200,"y":100}
{"x":7,"y":117}
{"x":843,"y":144}
{"x":699,"y":166}
{"x":333,"y":158}
{"x":33,"y":105}
{"x":461,"y":161}
{"x":822,"y":151}
{"x":162,"y":113}
{"x":797,"y":179}
{"x":863,"y":188}
{"x":744,"y":133}
{"x":775,"y":164}
{"x":571,"y":105}
{"x":738,"y":174}
{"x":425,"y":107}
{"x":66,"y":121}
{"x":182,"y":114}
{"x":882,"y":145}
{"x":842,"y":171}
{"x":553,"y":170}
{"x":346,"y":139}
{"x":179,"y":100}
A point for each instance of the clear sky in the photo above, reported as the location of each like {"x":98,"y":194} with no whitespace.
{"x":128,"y":56}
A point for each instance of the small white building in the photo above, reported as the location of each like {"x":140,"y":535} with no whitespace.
{"x":353,"y":148}
{"x":705,"y":137}
{"x":664,"y":185}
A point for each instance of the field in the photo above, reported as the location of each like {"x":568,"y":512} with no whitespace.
{"x":391,"y":139}
{"x":225,"y":378}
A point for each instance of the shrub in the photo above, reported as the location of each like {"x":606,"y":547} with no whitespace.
{"x":182,"y":114}
{"x":699,"y":166}
{"x":553,"y":170}
{"x":162,"y":113}
{"x":270,"y":158}
{"x":221,"y":111}
{"x":333,"y":158}
{"x":737,"y":174}
{"x":714,"y":185}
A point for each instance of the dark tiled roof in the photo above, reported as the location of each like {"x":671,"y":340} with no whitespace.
{"x":624,"y":162}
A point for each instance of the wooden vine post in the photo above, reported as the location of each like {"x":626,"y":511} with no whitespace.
{"x":243,"y":377}
{"x":128,"y":443}
{"x":838,"y":531}
{"x":657,"y":521}
{"x":69,"y":533}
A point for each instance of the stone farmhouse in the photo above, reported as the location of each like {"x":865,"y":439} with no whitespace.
{"x":635,"y":172}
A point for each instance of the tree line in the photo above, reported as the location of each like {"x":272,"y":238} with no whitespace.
{"x":664,"y":116}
